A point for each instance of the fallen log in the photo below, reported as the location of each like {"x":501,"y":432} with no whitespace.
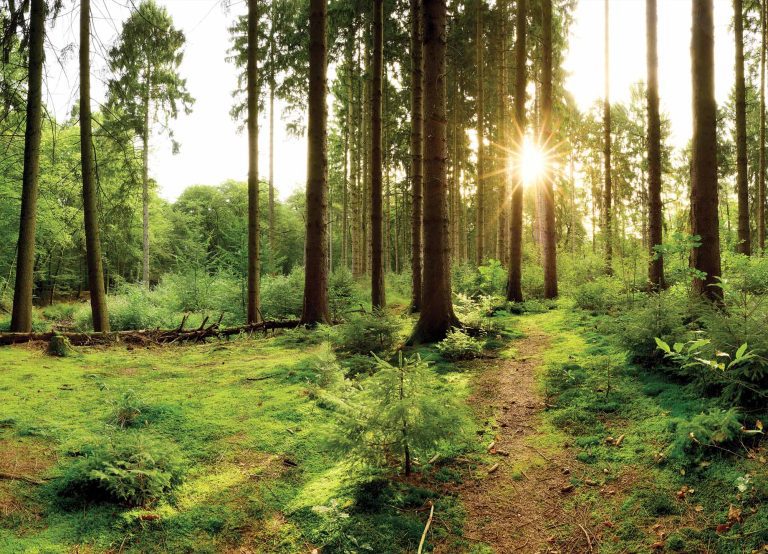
{"x":148,"y":336}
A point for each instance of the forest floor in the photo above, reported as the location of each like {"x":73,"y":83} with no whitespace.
{"x":568,"y":456}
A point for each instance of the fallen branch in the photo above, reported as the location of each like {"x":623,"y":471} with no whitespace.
{"x":19,"y":477}
{"x":426,"y":528}
{"x":148,"y":336}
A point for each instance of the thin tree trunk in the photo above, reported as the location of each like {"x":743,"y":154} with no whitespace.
{"x":607,"y":190}
{"x":315,"y":309}
{"x":549,"y":240}
{"x":145,"y":188}
{"x":21,"y":315}
{"x":704,"y":204}
{"x":514,"y":284}
{"x":378,"y":296}
{"x":761,"y":178}
{"x":417,"y":147}
{"x":99,"y":314}
{"x":742,"y":182}
{"x":253,"y":311}
{"x":436,"y":316}
{"x":272,"y":243}
{"x":655,"y":218}
{"x":480,"y":210}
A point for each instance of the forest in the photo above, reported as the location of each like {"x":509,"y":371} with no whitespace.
{"x":492,"y":318}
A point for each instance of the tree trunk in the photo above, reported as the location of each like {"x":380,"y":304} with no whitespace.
{"x":272,"y":243}
{"x":549,"y":240}
{"x":145,"y":187}
{"x":655,"y":220}
{"x":607,"y":190}
{"x":417,"y":148}
{"x":99,"y":314}
{"x":21,"y":316}
{"x":253,"y":308}
{"x":436,"y":316}
{"x":514,"y":283}
{"x":704,"y":212}
{"x":761,"y":178}
{"x":378,"y":296}
{"x":480,"y":209}
{"x":315,"y":309}
{"x":742,"y":182}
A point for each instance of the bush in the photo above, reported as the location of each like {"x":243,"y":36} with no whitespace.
{"x":458,"y":345}
{"x":704,"y":434}
{"x":659,"y":315}
{"x":600,"y":296}
{"x":402,"y":412}
{"x":282,"y":296}
{"x":342,"y":292}
{"x":128,"y":409}
{"x":128,"y":469}
{"x":363,"y":334}
{"x":327,"y":368}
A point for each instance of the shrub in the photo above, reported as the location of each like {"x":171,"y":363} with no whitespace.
{"x":128,"y":409}
{"x":402,"y":412}
{"x":600,"y":296}
{"x":704,"y":434}
{"x":327,"y":368}
{"x":127,"y":468}
{"x":342,"y":292}
{"x":364,"y":334}
{"x":282,"y":296}
{"x":458,"y":345}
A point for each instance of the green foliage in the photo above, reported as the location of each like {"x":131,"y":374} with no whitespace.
{"x":403,"y":411}
{"x":127,"y":468}
{"x":327,"y":368}
{"x":282,"y":296}
{"x":458,"y":345}
{"x":128,"y":410}
{"x":712,"y":432}
{"x":342,"y":292}
{"x":366,"y":333}
{"x":603,"y":295}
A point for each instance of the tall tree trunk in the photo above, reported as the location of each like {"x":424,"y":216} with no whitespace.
{"x":549,"y":240}
{"x":145,"y":187}
{"x":272,"y":243}
{"x":417,"y":147}
{"x":761,"y":178}
{"x":480,"y":210}
{"x":704,"y":205}
{"x":514,"y":283}
{"x":655,"y":220}
{"x":436,"y":316}
{"x":21,"y":316}
{"x":378,"y":296}
{"x":503,"y":246}
{"x":345,"y":231}
{"x":315,"y":309}
{"x":99,"y":314}
{"x":742,"y":181}
{"x":608,"y":189}
{"x":253,"y":308}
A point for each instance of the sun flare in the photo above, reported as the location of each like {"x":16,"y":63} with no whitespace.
{"x":532,"y":162}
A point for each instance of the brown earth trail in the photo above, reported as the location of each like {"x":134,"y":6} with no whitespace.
{"x":521,"y":504}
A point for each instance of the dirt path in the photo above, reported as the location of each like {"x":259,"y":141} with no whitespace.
{"x":520,"y":506}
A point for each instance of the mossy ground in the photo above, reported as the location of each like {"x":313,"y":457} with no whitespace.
{"x":262,"y":480}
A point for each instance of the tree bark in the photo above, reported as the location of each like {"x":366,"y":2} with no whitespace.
{"x":21,"y":315}
{"x":99,"y":313}
{"x":655,"y":220}
{"x":417,"y":149}
{"x":436,"y":316}
{"x":272,"y":243}
{"x":145,"y":187}
{"x":761,"y":176}
{"x":254,"y":269}
{"x":378,"y":296}
{"x":704,"y":206}
{"x":742,"y":182}
{"x":549,"y":240}
{"x":608,"y":188}
{"x":514,"y":283}
{"x":315,"y":308}
{"x":480,"y":209}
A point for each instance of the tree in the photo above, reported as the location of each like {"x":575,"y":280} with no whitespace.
{"x":549,"y":241}
{"x":656,"y":263}
{"x":99,"y":313}
{"x":315,"y":308}
{"x":378,"y":299}
{"x":514,"y":283}
{"x":705,"y":258}
{"x":254,"y":269}
{"x":21,"y":316}
{"x":480,"y":213}
{"x":146,"y":85}
{"x":761,"y":174}
{"x":436,"y":317}
{"x":607,"y":190}
{"x":417,"y":150}
{"x":742,"y":180}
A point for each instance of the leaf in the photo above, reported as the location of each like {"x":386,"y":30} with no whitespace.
{"x":662,"y":345}
{"x":742,"y":349}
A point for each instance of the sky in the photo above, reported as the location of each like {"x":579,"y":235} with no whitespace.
{"x":213,"y":150}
